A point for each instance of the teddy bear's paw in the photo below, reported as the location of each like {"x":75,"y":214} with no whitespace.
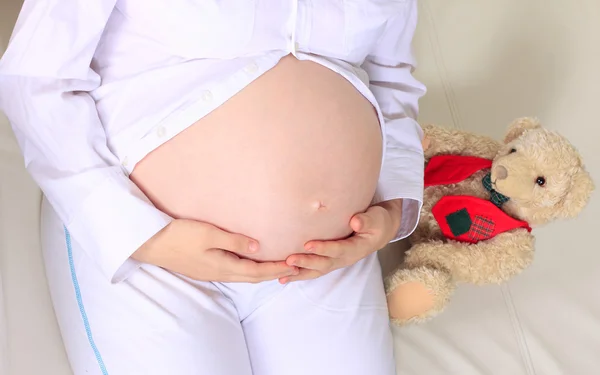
{"x":417,"y":295}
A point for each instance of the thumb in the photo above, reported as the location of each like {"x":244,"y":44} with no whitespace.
{"x":363,"y":222}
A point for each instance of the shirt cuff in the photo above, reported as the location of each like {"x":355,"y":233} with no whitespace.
{"x":113,"y":222}
{"x":403,"y":181}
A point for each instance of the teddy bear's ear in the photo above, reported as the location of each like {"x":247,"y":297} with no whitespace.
{"x":519,"y":126}
{"x":578,"y":196}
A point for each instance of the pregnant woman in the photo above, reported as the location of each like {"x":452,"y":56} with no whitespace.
{"x":218,"y":176}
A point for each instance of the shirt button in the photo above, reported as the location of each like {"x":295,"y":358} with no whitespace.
{"x":161,"y":131}
{"x":125,"y":161}
{"x":251,"y":68}
{"x":296,"y":46}
{"x":207,"y":96}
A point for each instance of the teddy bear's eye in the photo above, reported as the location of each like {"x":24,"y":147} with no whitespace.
{"x":512,"y":150}
{"x":540,"y":181}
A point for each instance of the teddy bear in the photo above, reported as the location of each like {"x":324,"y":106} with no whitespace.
{"x":482,"y":198}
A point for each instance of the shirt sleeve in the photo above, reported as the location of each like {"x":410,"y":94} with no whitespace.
{"x":390,"y":67}
{"x":45,"y":80}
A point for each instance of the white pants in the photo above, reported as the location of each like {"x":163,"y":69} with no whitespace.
{"x":157,"y":322}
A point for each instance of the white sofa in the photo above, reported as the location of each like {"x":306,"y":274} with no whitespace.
{"x":484,"y":62}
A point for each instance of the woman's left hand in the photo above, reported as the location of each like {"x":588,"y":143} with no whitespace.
{"x":373,"y":229}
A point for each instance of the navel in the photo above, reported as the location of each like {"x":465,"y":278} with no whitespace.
{"x":319,"y":206}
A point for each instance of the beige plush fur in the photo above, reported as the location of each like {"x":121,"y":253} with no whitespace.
{"x":424,"y":283}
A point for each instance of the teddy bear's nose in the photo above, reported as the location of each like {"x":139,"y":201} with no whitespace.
{"x":501,"y":172}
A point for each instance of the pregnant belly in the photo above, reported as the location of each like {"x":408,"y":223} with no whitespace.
{"x":288,"y":159}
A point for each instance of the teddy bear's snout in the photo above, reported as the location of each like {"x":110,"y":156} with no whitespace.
{"x":501,"y":173}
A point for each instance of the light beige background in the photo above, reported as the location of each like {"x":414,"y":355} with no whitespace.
{"x":485,"y":62}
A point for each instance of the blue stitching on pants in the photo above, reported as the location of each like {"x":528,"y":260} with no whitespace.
{"x":86,"y":323}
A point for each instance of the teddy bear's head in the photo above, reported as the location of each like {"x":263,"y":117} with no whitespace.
{"x":541,"y":172}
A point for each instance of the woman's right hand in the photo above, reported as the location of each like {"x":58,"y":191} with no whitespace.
{"x":204,"y":252}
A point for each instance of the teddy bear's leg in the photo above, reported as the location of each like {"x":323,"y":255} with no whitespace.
{"x":417,"y":294}
{"x":491,"y":261}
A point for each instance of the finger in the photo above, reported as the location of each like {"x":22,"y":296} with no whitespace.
{"x":251,"y":271}
{"x":312,"y":262}
{"x":331,"y":249}
{"x":232,"y":242}
{"x":340,"y":248}
{"x":304,"y":274}
{"x":257,"y":272}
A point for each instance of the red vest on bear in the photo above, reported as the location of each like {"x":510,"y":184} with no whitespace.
{"x":466,"y":218}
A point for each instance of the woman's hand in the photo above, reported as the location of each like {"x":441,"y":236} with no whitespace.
{"x":206,"y":253}
{"x":372,"y":231}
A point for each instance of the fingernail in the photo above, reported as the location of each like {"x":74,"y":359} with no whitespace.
{"x":253,"y":246}
{"x":310,"y":249}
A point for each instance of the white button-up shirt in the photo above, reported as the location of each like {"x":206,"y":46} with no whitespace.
{"x":91,"y":87}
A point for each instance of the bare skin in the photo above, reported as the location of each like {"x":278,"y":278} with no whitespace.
{"x":292,"y":166}
{"x":206,"y":253}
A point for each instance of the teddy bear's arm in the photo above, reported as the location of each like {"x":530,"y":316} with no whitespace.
{"x":443,"y":140}
{"x":491,"y":261}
